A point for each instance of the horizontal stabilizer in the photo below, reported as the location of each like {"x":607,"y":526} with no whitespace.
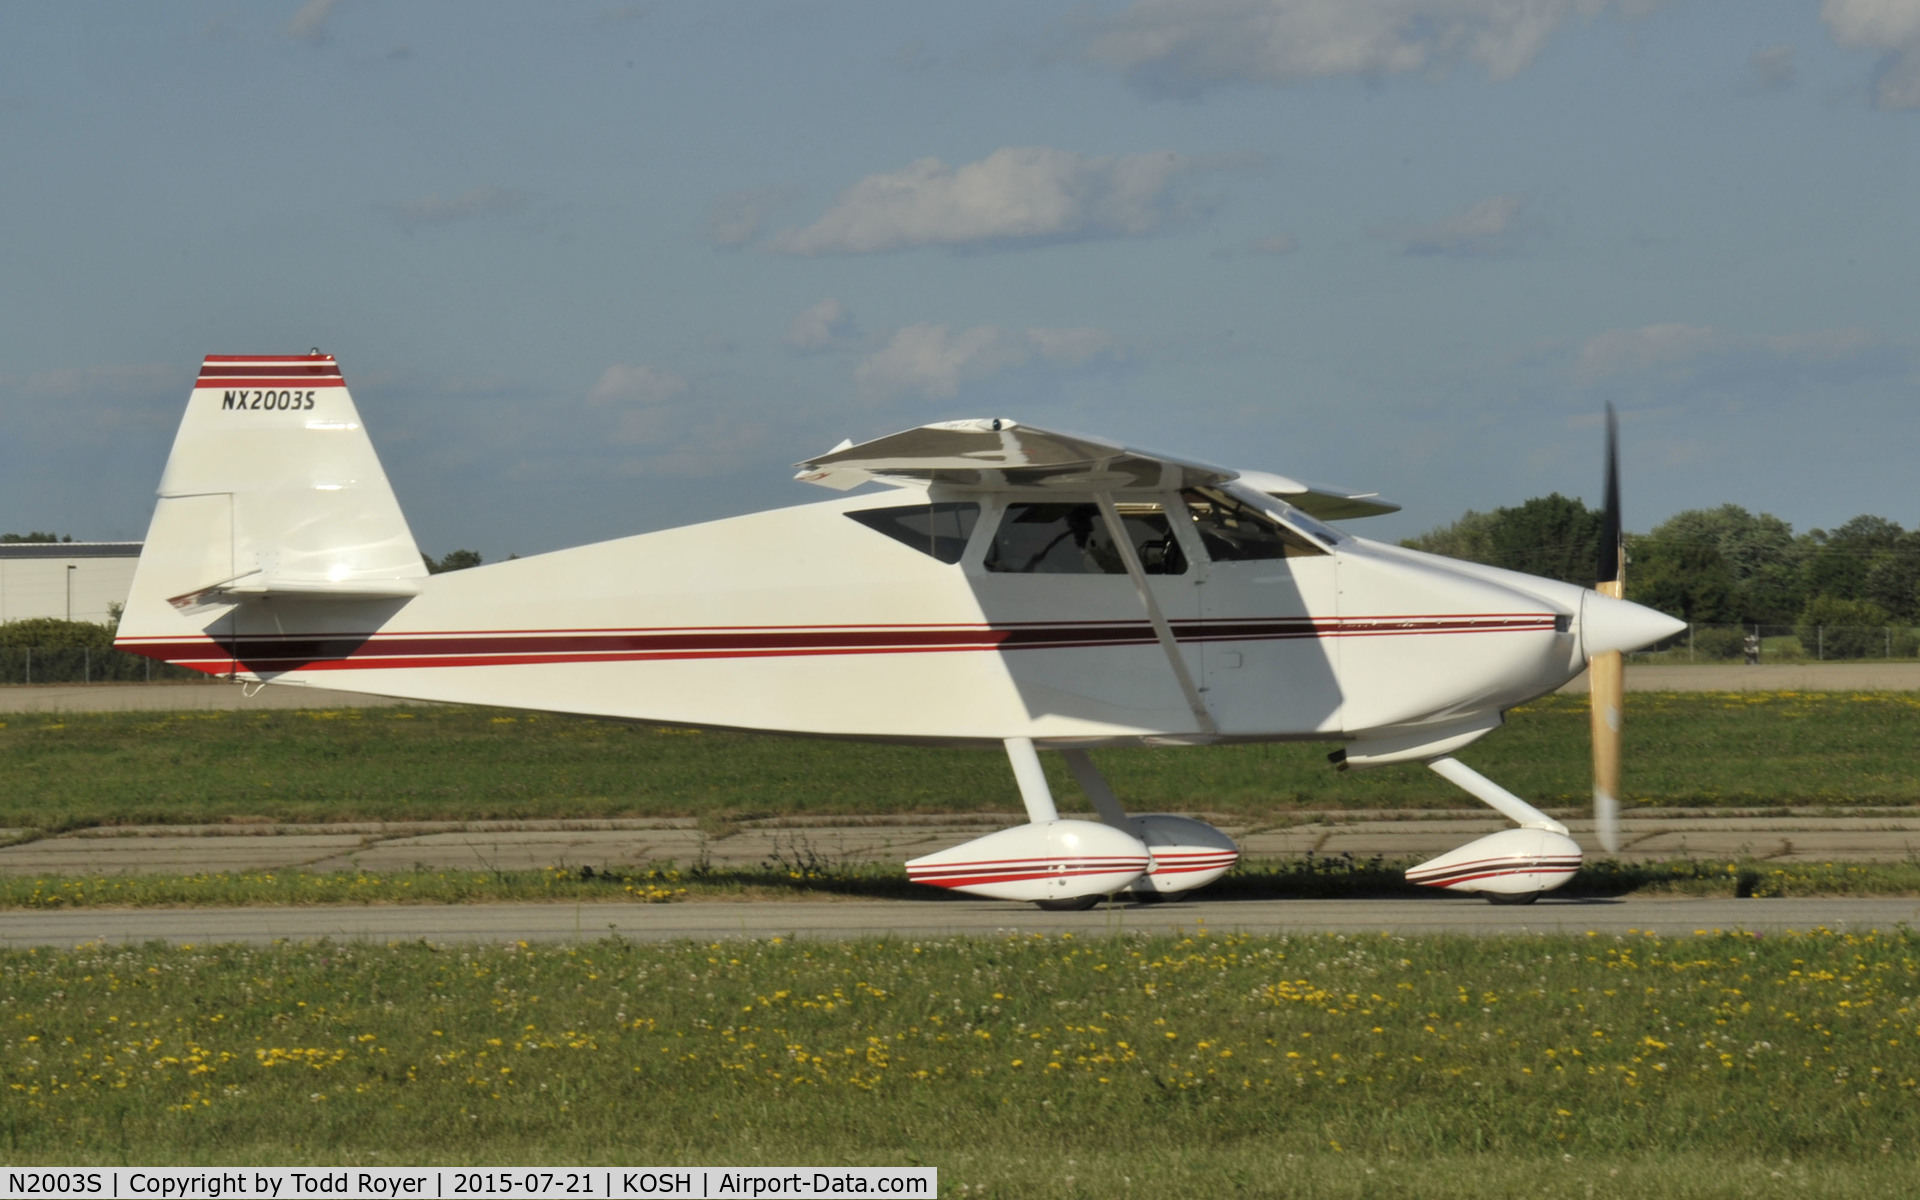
{"x":260,"y":586}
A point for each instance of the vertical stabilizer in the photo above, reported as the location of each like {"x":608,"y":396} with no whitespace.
{"x":272,"y":489}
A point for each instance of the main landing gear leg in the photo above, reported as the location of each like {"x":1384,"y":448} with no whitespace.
{"x":1513,"y":866}
{"x":1028,"y":773}
{"x":1187,"y":854}
{"x":1038,"y":798}
{"x":1094,"y":784}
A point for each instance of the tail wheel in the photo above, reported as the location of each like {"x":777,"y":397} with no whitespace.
{"x":1075,"y":904}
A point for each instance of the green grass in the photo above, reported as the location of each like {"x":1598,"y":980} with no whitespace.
{"x":1308,"y":877}
{"x":67,"y":771}
{"x":1044,"y":1066}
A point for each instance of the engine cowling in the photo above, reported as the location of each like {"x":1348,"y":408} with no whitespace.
{"x":1513,"y":862}
{"x":1186,"y":853}
{"x":1051,"y":860}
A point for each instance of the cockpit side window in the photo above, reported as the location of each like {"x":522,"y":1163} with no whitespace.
{"x":1072,"y":539}
{"x":940,"y":530}
{"x":1233,"y":532}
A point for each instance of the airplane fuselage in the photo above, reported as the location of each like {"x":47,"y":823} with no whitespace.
{"x":810,"y":620}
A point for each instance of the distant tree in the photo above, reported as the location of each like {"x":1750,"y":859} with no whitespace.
{"x":1548,"y":535}
{"x":1469,"y":539}
{"x":1834,"y":627}
{"x":456,"y":560}
{"x":1706,"y":565}
{"x":1841,"y":559}
{"x":1686,"y":579}
{"x":1760,"y":554}
{"x":1551,"y":536}
{"x":1893,"y":578}
{"x":55,"y":634}
{"x":35,"y":536}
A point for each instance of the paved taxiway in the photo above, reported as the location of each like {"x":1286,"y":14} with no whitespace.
{"x":909,"y":920}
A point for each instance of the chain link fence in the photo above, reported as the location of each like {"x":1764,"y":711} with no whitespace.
{"x":1755,"y":644}
{"x":85,"y":664}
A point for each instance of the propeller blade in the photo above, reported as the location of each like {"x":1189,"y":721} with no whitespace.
{"x":1606,"y":675}
{"x":1608,"y":569}
{"x":1606,"y":672}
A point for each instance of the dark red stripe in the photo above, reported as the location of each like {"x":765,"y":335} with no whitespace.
{"x":269,"y":358}
{"x":333,"y":382}
{"x":1185,"y":866}
{"x":1450,"y":878}
{"x":289,"y":369}
{"x":974,"y":874}
{"x":276,"y":653}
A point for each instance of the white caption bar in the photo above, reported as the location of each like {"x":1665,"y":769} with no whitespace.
{"x":441,"y":1183}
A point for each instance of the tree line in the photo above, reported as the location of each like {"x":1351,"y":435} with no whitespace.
{"x":1710,"y":565}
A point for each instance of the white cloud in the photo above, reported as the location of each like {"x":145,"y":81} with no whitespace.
{"x":622,"y":384}
{"x":1620,"y":351}
{"x":1675,"y":353}
{"x":1186,"y":46}
{"x":933,"y":361}
{"x":1487,"y":228}
{"x":824,"y":325}
{"x":1772,"y":68}
{"x":735,"y":218}
{"x":1018,"y":194}
{"x":479,"y":202}
{"x":1891,"y":27}
{"x":309,"y":22}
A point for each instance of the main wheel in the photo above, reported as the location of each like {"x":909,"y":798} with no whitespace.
{"x":1523,"y":898}
{"x":1075,"y":904}
{"x":1158,"y":897}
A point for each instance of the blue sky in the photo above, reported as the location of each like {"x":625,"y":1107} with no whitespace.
{"x":596,"y":269}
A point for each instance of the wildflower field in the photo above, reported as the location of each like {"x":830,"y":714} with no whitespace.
{"x":449,"y":763}
{"x":1712,"y":1065}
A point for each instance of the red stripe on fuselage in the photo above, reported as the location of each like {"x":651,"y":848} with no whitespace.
{"x":374,"y":651}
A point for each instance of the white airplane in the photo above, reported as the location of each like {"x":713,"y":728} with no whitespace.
{"x":1008,"y":585}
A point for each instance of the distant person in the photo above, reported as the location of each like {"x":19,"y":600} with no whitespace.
{"x":1753,"y":649}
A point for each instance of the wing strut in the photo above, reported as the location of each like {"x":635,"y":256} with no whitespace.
{"x":1117,"y":530}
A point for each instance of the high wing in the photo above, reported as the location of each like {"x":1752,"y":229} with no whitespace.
{"x":995,"y":454}
{"x":1327,"y":501}
{"x":998,"y":455}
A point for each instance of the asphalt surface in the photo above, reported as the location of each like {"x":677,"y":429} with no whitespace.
{"x":916,"y":919}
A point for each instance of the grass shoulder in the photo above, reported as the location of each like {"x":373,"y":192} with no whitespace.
{"x":1699,"y":750}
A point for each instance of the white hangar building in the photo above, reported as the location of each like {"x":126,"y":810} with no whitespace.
{"x":74,"y":581}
